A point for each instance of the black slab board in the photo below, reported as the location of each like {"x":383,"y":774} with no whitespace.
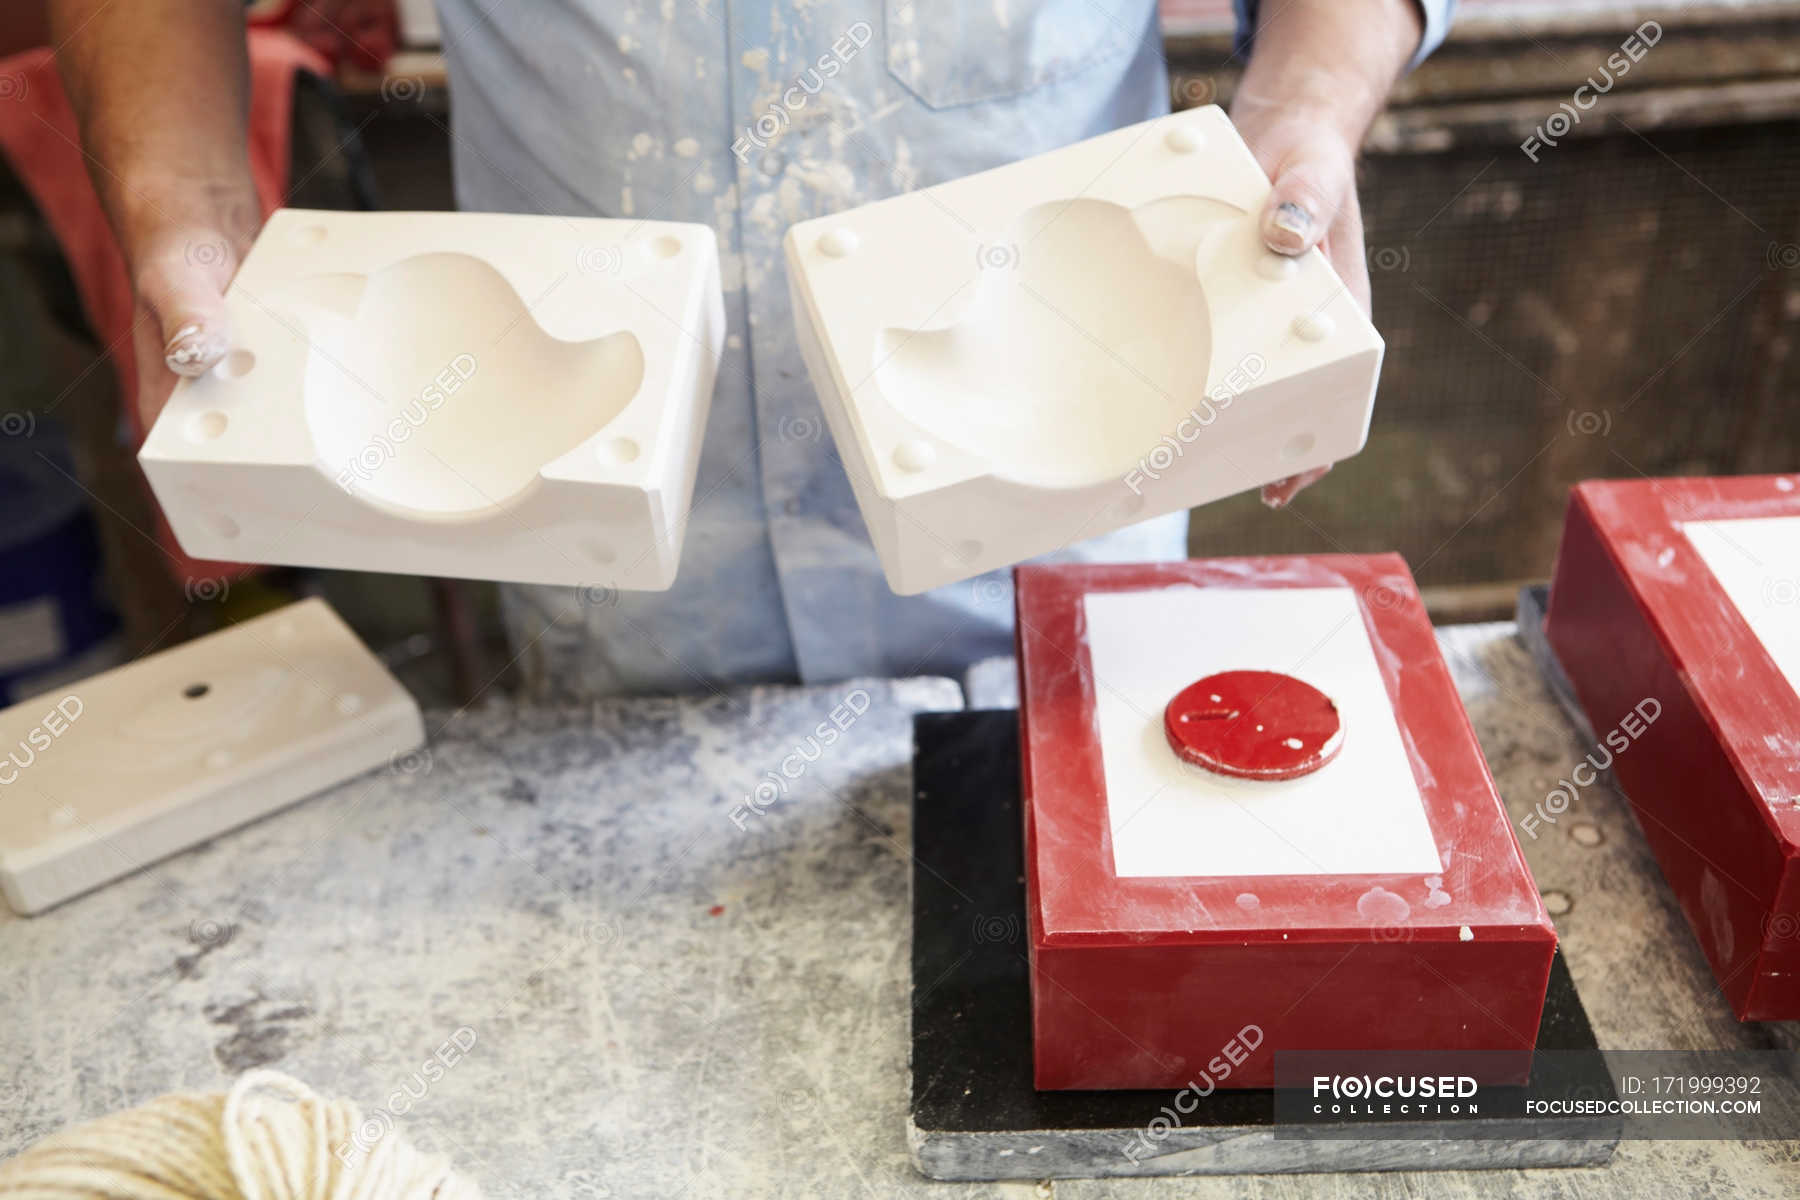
{"x":974,"y":1111}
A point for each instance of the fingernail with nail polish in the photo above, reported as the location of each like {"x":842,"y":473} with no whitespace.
{"x":193,"y":351}
{"x":1291,"y":219}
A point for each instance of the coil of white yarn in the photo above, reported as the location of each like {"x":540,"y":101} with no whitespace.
{"x":270,"y":1137}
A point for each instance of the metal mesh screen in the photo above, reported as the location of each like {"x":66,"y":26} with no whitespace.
{"x":1622,"y":306}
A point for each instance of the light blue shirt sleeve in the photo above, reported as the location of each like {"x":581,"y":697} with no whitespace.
{"x":1437,"y":14}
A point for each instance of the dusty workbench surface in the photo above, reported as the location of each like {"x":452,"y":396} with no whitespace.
{"x":667,"y":942}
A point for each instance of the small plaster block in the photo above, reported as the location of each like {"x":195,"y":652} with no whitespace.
{"x":466,"y":394}
{"x":1675,"y":611}
{"x":1032,"y":356}
{"x":130,"y":766}
{"x":1378,"y":903}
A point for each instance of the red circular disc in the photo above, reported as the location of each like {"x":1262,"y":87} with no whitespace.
{"x":1254,"y":725}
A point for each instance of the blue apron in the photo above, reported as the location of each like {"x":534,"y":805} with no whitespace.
{"x":750,"y":117}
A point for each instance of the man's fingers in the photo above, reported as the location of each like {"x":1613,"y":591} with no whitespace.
{"x":1312,"y":183}
{"x":187,"y":300}
{"x":1279,"y":493}
{"x":1344,"y":250}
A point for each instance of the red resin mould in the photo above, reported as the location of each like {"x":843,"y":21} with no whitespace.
{"x":1638,"y":612}
{"x":1143,"y":980}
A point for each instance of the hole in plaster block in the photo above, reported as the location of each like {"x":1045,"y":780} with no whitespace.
{"x":454,"y":417}
{"x":219,"y":525}
{"x":206,"y":426}
{"x":194,"y":691}
{"x":1046,"y":373}
{"x":619,"y":450}
{"x":236,"y":364}
{"x":309,"y":235}
{"x":666,"y":246}
{"x":1299,"y":445}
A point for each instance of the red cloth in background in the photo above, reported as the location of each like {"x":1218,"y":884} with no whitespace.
{"x":362,"y":33}
{"x":39,"y":137}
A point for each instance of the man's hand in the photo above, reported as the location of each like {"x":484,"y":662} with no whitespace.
{"x":1320,"y":72}
{"x":161,"y":91}
{"x":180,"y":269}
